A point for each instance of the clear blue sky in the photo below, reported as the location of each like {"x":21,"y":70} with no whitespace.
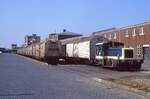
{"x":21,"y":17}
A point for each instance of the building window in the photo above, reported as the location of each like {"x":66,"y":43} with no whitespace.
{"x":109,"y":36}
{"x":115,"y":35}
{"x":133,"y":32}
{"x":105,"y":35}
{"x":139,"y":51}
{"x":141,"y":31}
{"x":127,"y":33}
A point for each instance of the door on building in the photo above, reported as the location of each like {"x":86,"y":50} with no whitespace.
{"x":145,"y":52}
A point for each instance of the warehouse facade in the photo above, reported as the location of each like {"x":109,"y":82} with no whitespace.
{"x":135,"y":36}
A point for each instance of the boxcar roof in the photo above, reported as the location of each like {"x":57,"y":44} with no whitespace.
{"x":82,"y":39}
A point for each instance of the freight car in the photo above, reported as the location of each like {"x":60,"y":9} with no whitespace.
{"x":47,"y":51}
{"x":84,"y":49}
{"x":98,"y":50}
{"x":112,"y":54}
{"x":80,"y":49}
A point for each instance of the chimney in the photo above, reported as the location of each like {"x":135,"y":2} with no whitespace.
{"x":64,"y":30}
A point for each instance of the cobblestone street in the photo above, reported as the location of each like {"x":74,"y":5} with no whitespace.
{"x":23,"y":78}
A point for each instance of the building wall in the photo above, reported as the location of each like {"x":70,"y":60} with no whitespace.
{"x":136,"y":36}
{"x":53,"y":37}
{"x":31,"y":39}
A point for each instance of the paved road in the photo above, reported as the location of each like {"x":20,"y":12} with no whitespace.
{"x":22,"y":78}
{"x":146,"y":65}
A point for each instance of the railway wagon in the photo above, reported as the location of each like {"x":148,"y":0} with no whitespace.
{"x":47,"y":51}
{"x":33,"y":50}
{"x":27,"y":51}
{"x":37,"y":51}
{"x":80,"y":49}
{"x":101,"y":51}
{"x":21,"y":51}
{"x":30,"y":51}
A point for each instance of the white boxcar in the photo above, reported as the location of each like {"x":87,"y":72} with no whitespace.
{"x":83,"y":48}
{"x":69,"y":50}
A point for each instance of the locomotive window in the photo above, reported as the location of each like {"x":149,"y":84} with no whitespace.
{"x":98,"y":50}
{"x":128,"y":53}
{"x":114,"y":51}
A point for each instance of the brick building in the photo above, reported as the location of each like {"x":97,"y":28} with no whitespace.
{"x":136,"y":36}
{"x":64,"y":35}
{"x":31,"y":39}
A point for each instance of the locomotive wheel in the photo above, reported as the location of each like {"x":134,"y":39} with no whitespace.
{"x":114,"y":64}
{"x":137,"y":67}
{"x":53,"y":61}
